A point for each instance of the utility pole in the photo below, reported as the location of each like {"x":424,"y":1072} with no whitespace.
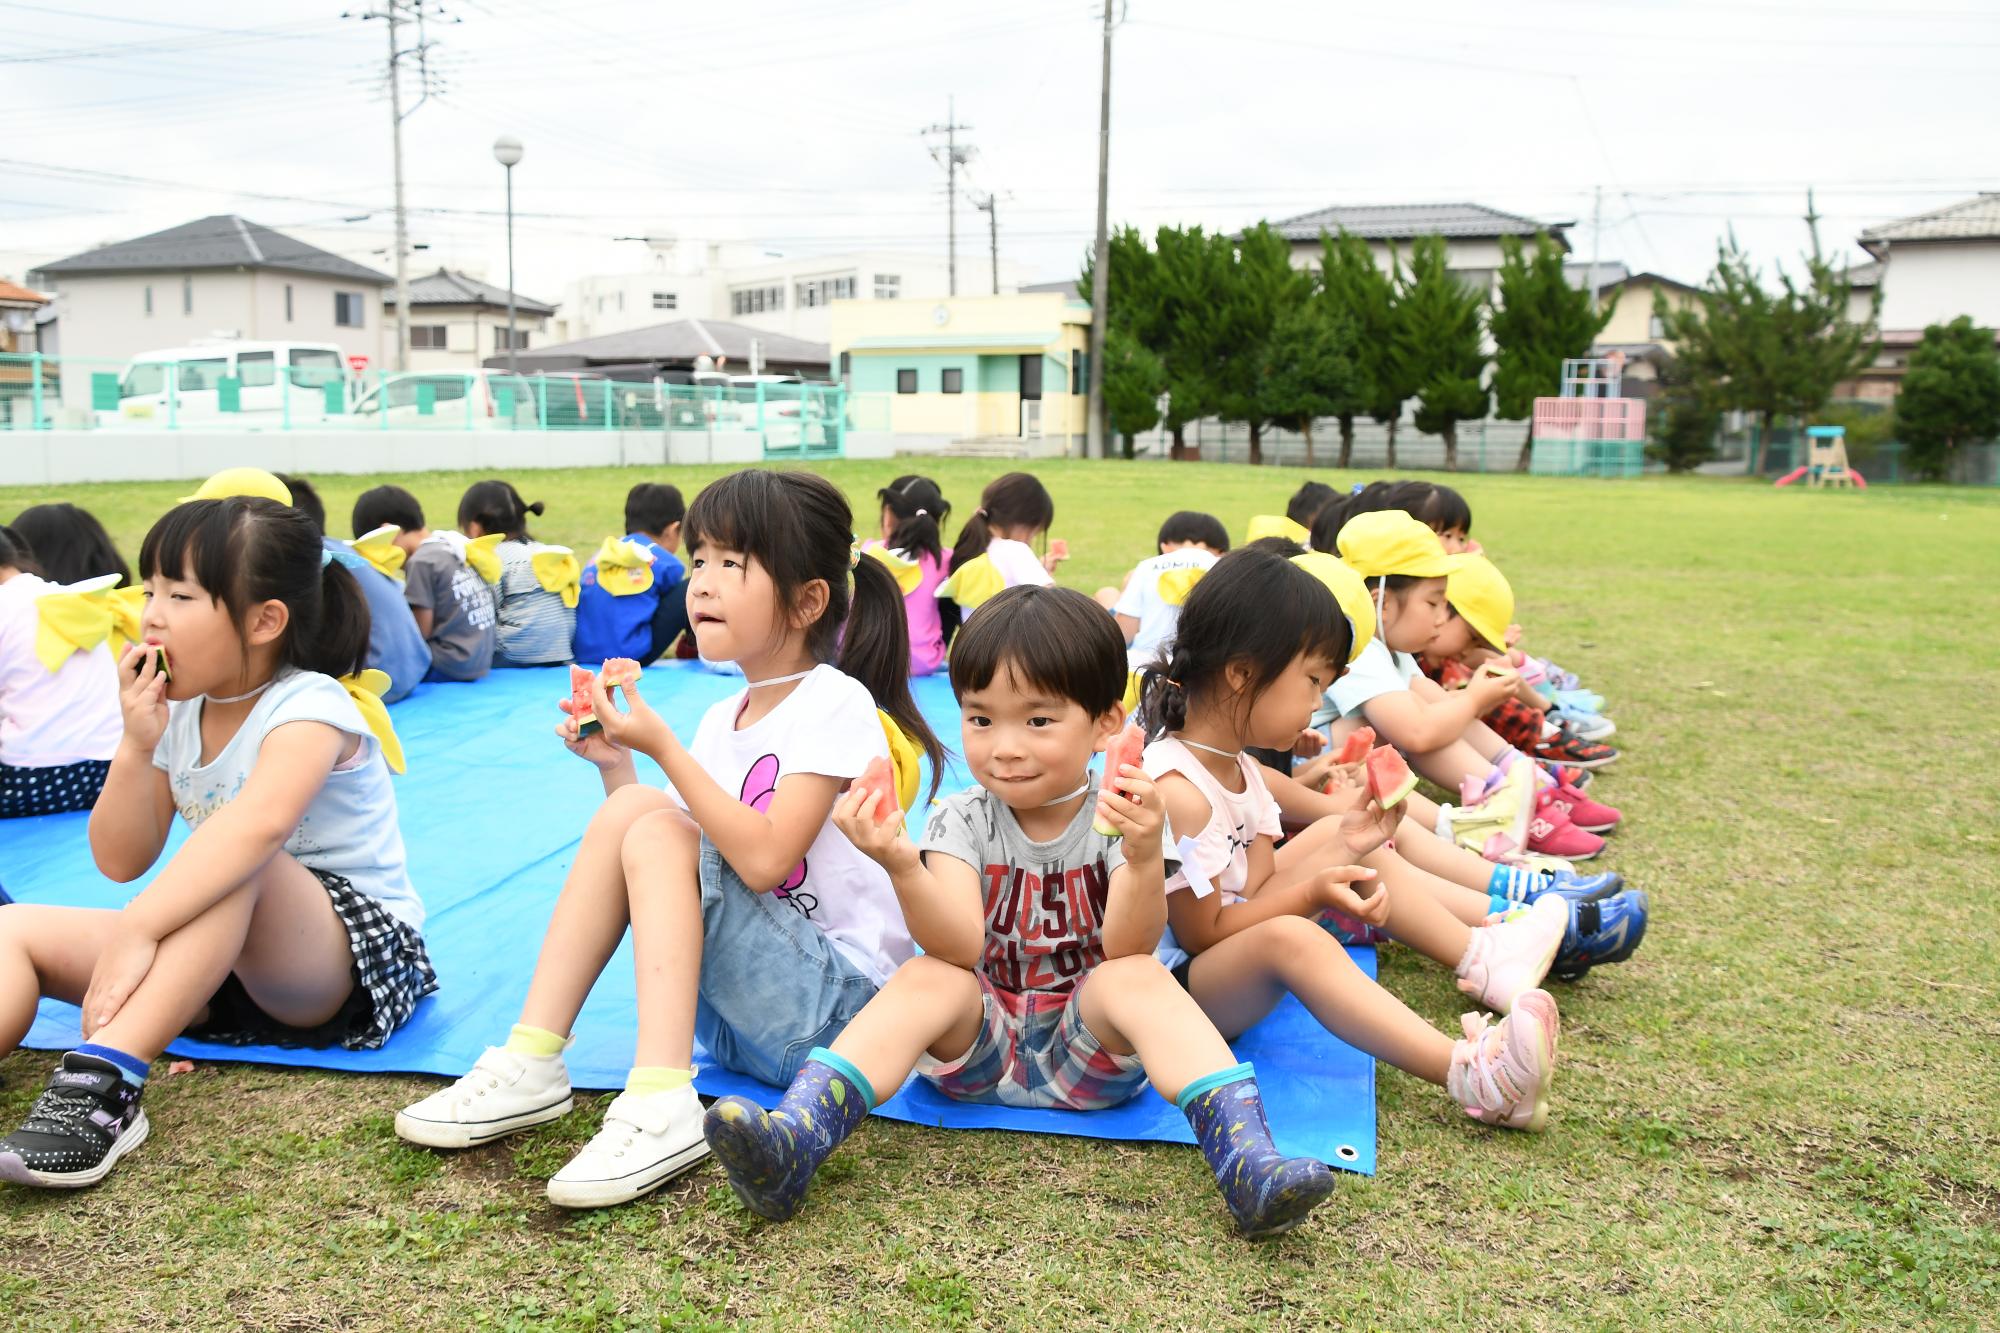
{"x":1596,"y":231}
{"x":1097,"y":441}
{"x":1812,"y":223}
{"x":956,"y":155}
{"x":989,"y":206}
{"x":395,"y":14}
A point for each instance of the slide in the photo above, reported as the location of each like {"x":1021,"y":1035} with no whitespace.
{"x":1790,"y":477}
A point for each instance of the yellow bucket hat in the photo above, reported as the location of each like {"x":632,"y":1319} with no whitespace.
{"x":1277,"y":525}
{"x":1478,"y":591}
{"x":252,"y":481}
{"x":1348,"y":590}
{"x":1389,"y":541}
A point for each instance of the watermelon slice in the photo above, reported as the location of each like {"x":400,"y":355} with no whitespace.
{"x":1389,"y":777}
{"x":159,"y":654}
{"x":618,"y":671}
{"x":880,"y":778}
{"x":1059,"y":548}
{"x":1127,"y":747}
{"x":1356,"y":747}
{"x":580,"y":707}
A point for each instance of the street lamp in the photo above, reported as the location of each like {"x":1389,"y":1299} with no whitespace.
{"x":507,"y":151}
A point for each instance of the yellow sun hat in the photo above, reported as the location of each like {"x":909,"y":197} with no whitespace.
{"x":1478,"y":591}
{"x":1348,"y":590}
{"x":1277,"y":525}
{"x":252,"y":481}
{"x":1389,"y":541}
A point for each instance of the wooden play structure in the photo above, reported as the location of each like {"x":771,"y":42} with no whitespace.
{"x":1826,"y":461}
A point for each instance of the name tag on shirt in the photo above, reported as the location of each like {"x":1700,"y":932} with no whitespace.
{"x":1189,"y":851}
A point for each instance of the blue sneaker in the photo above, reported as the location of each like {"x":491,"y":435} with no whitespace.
{"x":1586,"y":888}
{"x":4,"y":899}
{"x":1606,"y":931}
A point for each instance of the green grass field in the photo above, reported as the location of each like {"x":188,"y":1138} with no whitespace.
{"x":1781,"y":1113}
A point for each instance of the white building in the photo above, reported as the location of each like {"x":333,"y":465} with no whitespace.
{"x":745,"y":285}
{"x":215,"y":277}
{"x":457,"y":321}
{"x":1939,"y":265}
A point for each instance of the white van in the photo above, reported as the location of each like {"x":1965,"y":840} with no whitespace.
{"x":178,"y":385}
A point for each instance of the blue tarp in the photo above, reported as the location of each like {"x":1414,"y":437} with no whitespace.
{"x":492,"y":809}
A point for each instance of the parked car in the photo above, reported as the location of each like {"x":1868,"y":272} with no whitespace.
{"x":183,"y":384}
{"x":437,"y":399}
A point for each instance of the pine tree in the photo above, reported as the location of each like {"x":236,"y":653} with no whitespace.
{"x":1135,"y":379}
{"x":1357,"y":293}
{"x":1541,"y":321}
{"x":1309,"y":368}
{"x":1445,"y":358}
{"x":1261,"y":285}
{"x":1950,"y":395}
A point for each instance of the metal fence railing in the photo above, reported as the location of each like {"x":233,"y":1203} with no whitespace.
{"x":230,"y":389}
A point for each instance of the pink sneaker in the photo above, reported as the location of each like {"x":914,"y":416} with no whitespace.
{"x":1551,"y":833}
{"x":1510,"y":958}
{"x":1500,"y":1073}
{"x":1588,"y":815}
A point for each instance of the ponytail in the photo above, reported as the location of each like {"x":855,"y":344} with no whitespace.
{"x":1015,"y":500}
{"x":14,"y":553}
{"x":338,"y":644}
{"x":875,"y":650}
{"x":497,"y":507}
{"x":919,"y":510}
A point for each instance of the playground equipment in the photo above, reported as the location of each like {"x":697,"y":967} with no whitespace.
{"x":1826,"y":461}
{"x":1590,"y":429}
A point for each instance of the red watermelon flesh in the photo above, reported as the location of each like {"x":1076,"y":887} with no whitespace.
{"x":580,"y":706}
{"x":1389,"y":777}
{"x":880,"y":778}
{"x":618,"y":671}
{"x":1128,"y":747}
{"x":1356,"y":747}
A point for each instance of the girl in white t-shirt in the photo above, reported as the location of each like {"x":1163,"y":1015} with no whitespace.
{"x":287,"y":918}
{"x":1259,"y":639}
{"x":59,"y":725}
{"x":755,"y":923}
{"x":994,"y":550}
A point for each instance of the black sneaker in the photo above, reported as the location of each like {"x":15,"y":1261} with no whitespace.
{"x":79,"y":1127}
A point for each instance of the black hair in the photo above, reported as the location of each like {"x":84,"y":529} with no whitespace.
{"x":386,"y":504}
{"x":1283,"y":547}
{"x":244,"y":550}
{"x":1191,"y":526}
{"x":305,"y":499}
{"x":653,"y":507}
{"x":497,"y":507}
{"x":1439,"y":508}
{"x":1052,"y":639}
{"x":1255,"y":608}
{"x":1016,"y":500}
{"x":798,"y":527}
{"x":920,"y":509}
{"x":14,"y":552}
{"x":1307,"y":501}
{"x":69,"y":544}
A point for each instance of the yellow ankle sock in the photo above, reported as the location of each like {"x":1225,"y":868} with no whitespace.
{"x":537,"y":1043}
{"x":657,"y":1078}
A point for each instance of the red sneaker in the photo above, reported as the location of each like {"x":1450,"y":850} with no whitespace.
{"x":1588,"y":815}
{"x":1568,"y":748}
{"x":1551,"y":833}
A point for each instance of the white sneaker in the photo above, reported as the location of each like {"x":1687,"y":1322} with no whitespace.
{"x":647,"y":1140}
{"x":502,"y":1093}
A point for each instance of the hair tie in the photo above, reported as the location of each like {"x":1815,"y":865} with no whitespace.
{"x":325,"y":556}
{"x":922,"y":513}
{"x":979,"y":512}
{"x":1173,"y":684}
{"x":854,"y":554}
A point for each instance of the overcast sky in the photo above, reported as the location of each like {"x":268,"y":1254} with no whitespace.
{"x":796,"y":123}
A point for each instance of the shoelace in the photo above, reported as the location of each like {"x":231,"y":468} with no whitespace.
{"x":1481,"y":1058}
{"x":61,"y":1111}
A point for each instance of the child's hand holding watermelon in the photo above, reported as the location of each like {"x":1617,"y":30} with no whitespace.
{"x":1366,"y":826}
{"x":142,"y":697}
{"x":1128,"y":807}
{"x":872,"y":818}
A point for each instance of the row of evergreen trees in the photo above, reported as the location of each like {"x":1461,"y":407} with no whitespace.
{"x":1208,"y":325}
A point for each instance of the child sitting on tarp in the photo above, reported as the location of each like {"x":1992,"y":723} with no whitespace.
{"x":450,"y":582}
{"x":633,"y":599}
{"x":539,"y":583}
{"x":59,"y":722}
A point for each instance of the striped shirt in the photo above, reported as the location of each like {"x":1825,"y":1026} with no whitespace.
{"x":535,"y":626}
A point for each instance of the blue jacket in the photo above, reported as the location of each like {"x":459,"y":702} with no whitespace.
{"x":608,"y":626}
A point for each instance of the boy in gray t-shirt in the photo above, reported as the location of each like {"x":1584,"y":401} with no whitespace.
{"x":454,"y":606}
{"x":1037,"y":986}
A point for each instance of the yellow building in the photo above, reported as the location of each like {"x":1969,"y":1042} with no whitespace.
{"x":988,"y":368}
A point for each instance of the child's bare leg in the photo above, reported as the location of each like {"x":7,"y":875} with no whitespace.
{"x":590,"y":914}
{"x":1417,"y":915}
{"x":1420,"y":810}
{"x":928,"y":1005}
{"x":1450,"y":764}
{"x":1452,"y":864}
{"x":45,"y":951}
{"x":278,"y":932}
{"x":661,"y":861}
{"x":1134,"y":1006}
{"x":1239,"y":979}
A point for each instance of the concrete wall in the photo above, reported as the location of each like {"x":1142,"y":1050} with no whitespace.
{"x":55,"y":458}
{"x":104,"y":317}
{"x":1938,"y":281}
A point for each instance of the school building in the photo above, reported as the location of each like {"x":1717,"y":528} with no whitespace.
{"x":1008,"y":372}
